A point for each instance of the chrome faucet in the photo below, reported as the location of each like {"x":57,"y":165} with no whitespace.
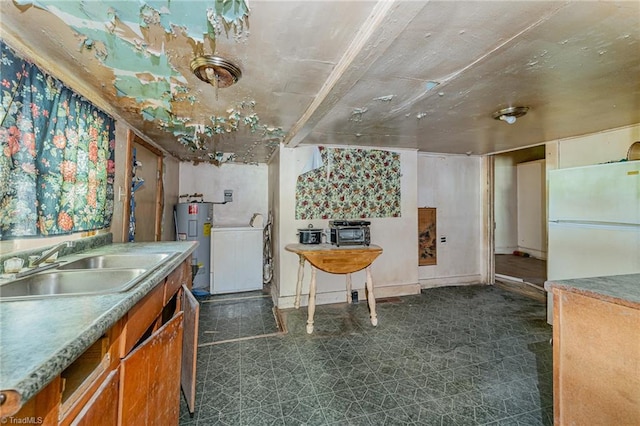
{"x":46,"y":255}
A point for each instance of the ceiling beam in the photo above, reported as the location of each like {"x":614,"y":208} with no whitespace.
{"x":372,"y":39}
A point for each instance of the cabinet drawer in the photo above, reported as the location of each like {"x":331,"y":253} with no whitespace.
{"x":173,"y":283}
{"x":141,"y":316}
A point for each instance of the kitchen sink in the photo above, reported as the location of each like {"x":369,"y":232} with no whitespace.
{"x":107,"y":261}
{"x":68,"y":283}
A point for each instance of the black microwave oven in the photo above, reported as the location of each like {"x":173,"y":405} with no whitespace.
{"x":345,"y":232}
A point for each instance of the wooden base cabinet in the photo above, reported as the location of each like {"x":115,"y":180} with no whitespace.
{"x":132,"y":375}
{"x":596,"y":361}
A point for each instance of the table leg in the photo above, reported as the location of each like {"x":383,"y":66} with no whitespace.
{"x":312,"y":300}
{"x":371,"y":299}
{"x":296,"y":303}
{"x":348,"y":288}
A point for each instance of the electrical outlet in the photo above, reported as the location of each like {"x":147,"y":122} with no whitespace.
{"x":228,"y":195}
{"x":443,"y":239}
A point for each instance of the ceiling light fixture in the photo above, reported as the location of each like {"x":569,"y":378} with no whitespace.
{"x":510,"y":114}
{"x":216,"y":71}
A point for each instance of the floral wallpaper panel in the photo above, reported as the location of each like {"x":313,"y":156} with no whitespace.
{"x":351,"y":184}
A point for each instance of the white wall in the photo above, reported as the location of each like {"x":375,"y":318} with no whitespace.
{"x":453,"y":184}
{"x":395,"y":272}
{"x":249,"y":184}
{"x":606,"y":146}
{"x":274,"y":208}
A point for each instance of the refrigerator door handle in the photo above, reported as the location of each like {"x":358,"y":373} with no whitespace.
{"x":592,"y":224}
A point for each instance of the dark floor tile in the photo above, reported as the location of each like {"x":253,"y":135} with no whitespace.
{"x":270,"y":415}
{"x":259,"y":395}
{"x":458,"y":355}
{"x":375,"y":398}
{"x":458,"y":418}
{"x":219,"y":399}
{"x":284,"y":350}
{"x":219,"y":419}
{"x":393,"y":417}
{"x":419,"y":415}
{"x":291,"y":386}
{"x":359,"y":376}
{"x":262,"y":376}
{"x":431,"y":392}
{"x":355,"y":421}
{"x":303,"y":410}
{"x":328,"y":381}
{"x":533,"y":418}
{"x":390,"y":370}
{"x":485,"y":415}
{"x":223,"y":376}
{"x":282,"y":368}
{"x":340,"y":413}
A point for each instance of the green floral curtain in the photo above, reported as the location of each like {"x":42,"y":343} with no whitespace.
{"x":56,"y":155}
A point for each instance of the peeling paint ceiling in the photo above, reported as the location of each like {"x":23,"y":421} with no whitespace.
{"x":406,"y":74}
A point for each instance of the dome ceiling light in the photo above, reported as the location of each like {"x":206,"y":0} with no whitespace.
{"x":510,"y":114}
{"x":216,"y":71}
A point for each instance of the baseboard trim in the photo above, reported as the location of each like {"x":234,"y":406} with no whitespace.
{"x":456,"y":280}
{"x":508,"y":278}
{"x":396,"y":290}
{"x":327,"y":298}
{"x":537,"y":254}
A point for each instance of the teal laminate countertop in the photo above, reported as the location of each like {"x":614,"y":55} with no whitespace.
{"x":40,"y":338}
{"x":620,"y":289}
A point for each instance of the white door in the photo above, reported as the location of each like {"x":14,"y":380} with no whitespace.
{"x":531,"y":208}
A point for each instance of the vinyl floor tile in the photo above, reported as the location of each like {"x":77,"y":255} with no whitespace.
{"x":450,"y":356}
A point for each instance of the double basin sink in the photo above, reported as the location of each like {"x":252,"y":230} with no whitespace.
{"x":99,"y":274}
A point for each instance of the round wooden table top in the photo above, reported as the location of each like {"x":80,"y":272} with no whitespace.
{"x":334,"y":259}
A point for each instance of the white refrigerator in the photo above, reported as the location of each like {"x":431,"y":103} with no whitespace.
{"x":594,"y":221}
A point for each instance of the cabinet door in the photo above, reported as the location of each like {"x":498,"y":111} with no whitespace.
{"x":102,"y":408}
{"x":191,"y":309}
{"x":150,"y":378}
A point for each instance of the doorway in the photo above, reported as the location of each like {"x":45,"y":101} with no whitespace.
{"x":520,"y":220}
{"x":144,"y":206}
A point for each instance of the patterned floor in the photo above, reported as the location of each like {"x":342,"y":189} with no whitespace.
{"x":235,"y":316}
{"x":450,"y":356}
